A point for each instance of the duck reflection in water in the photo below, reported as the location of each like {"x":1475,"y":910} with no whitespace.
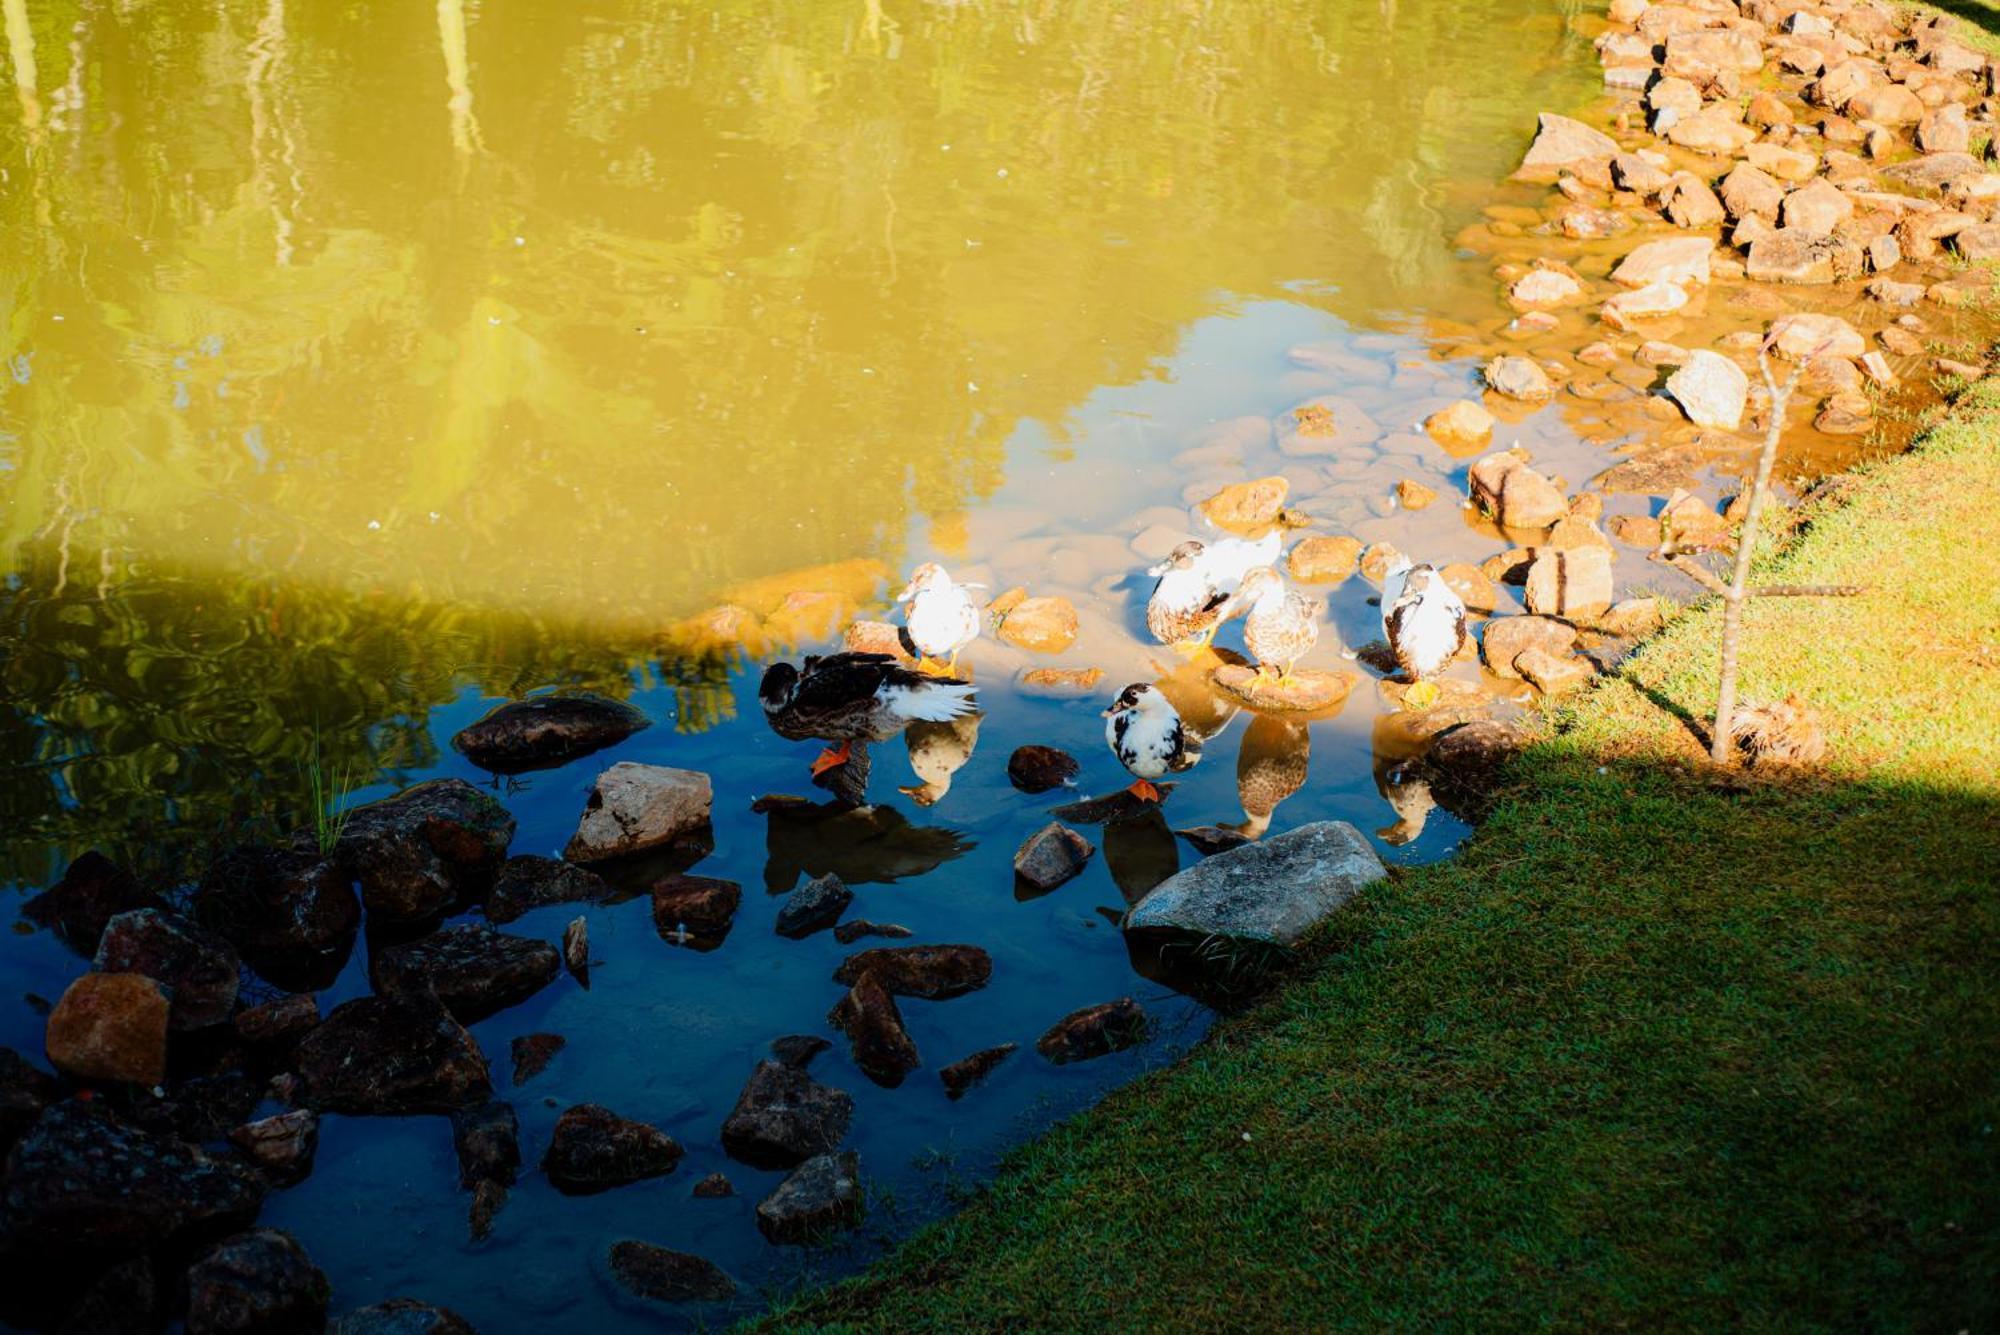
{"x":1271,"y":765}
{"x":1140,"y":852}
{"x":937,"y":752}
{"x":1399,"y":779}
{"x":858,"y":844}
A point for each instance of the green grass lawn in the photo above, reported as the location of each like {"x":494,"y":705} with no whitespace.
{"x":1653,"y":1050}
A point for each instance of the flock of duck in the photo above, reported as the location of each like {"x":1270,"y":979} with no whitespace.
{"x":858,"y":697}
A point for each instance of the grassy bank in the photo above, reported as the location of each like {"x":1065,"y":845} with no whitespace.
{"x":1653,"y":1050}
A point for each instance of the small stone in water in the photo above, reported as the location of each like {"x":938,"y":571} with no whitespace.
{"x":576,"y":951}
{"x":1036,"y":769}
{"x":814,"y":906}
{"x":533,"y":1053}
{"x":966,"y":1072}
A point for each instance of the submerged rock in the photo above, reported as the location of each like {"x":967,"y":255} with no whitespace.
{"x":813,"y":907}
{"x":935,"y":973}
{"x":798,"y":1049}
{"x":547,"y":731}
{"x":256,"y":1283}
{"x":111,"y":1026}
{"x":1040,"y":625}
{"x":783,"y":1116}
{"x":695,"y":911}
{"x":1518,"y":378}
{"x":198,"y":969}
{"x":1051,"y":856}
{"x":1323,"y":560}
{"x":91,"y":892}
{"x":668,"y":1276}
{"x":1464,"y":764}
{"x":632,"y":808}
{"x":594,"y":1149}
{"x":847,"y":933}
{"x":822,"y":1196}
{"x":426,"y":849}
{"x":1037,"y":769}
{"x":1272,"y":891}
{"x":1680,"y":260}
{"x":282,"y":1145}
{"x":882,"y":1046}
{"x":488,"y":1142}
{"x":1561,"y":142}
{"x":966,"y":1072}
{"x":530,"y":882}
{"x":401,"y":1316}
{"x":532,"y":1054}
{"x":1094,"y":1031}
{"x":292,"y":914}
{"x":471,"y":968}
{"x":488,"y":1198}
{"x":1463,"y":425}
{"x":714,"y":1187}
{"x":391,"y":1056}
{"x":576,"y":951}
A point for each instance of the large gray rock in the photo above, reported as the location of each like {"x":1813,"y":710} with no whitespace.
{"x":1272,"y":890}
{"x":635,"y":807}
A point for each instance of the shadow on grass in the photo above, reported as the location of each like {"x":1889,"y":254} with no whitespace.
{"x":1976,"y":12}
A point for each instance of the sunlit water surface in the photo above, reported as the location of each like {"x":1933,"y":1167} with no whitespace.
{"x":368,"y":364}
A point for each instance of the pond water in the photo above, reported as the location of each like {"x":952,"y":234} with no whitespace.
{"x":368,"y":365}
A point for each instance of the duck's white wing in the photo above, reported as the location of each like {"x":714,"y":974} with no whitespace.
{"x":1226,"y":562}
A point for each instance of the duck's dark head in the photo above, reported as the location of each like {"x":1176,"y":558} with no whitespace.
{"x":1136,"y":696}
{"x":781,"y":682}
{"x":1182,"y":557}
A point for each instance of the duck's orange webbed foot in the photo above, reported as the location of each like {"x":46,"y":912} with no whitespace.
{"x":1144,"y":791}
{"x":832,"y":758}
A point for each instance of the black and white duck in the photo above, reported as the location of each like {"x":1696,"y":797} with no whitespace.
{"x":1198,"y":584}
{"x":853,"y":697}
{"x":1146,"y":734}
{"x":1424,"y":622}
{"x":941,"y":618}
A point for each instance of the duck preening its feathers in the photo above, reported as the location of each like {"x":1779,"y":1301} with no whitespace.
{"x":1423,"y":620}
{"x":853,"y":697}
{"x":1146,"y":734}
{"x":1198,"y":585}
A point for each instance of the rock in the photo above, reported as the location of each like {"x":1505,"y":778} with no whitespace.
{"x":1515,"y":495}
{"x":1061,"y":683}
{"x":1051,"y":856}
{"x":847,"y":933}
{"x":1545,"y":287}
{"x":291,"y":914}
{"x":401,"y":1316}
{"x":1323,"y":560}
{"x":1642,"y":176}
{"x":1376,"y":558}
{"x":1886,"y":104}
{"x":488,"y":1198}
{"x":1688,"y":202}
{"x":784,"y":1117}
{"x":198,"y":970}
{"x":1100,"y":1030}
{"x":576,"y":951}
{"x":1767,"y":109}
{"x":391,"y":1057}
{"x":1711,"y":390}
{"x":1934,"y":171}
{"x":1978,"y":243}
{"x":1463,"y":425}
{"x":1413,"y":495}
{"x":1792,"y":257}
{"x":532,"y":1054}
{"x":635,"y":807}
{"x":798,"y":1049}
{"x":935,"y":973}
{"x":1671,"y":100}
{"x":1465,"y":764}
{"x":666,"y":1276}
{"x":1633,"y":617}
{"x":1550,"y":674}
{"x":1575,"y":583}
{"x":881,"y":1045}
{"x":1309,"y":690}
{"x":424,"y":850}
{"x":488,"y":1141}
{"x":1689,"y":523}
{"x":1815,"y":208}
{"x":1518,"y":378}
{"x":1507,"y":638}
{"x":714,"y":1187}
{"x":1717,"y":129}
{"x":875,"y":637}
{"x":1254,"y":504}
{"x":474,"y":970}
{"x":1273,"y":890}
{"x":1901,"y":342}
{"x":256,"y":1283}
{"x":1561,"y":142}
{"x":85,"y":1190}
{"x":547,"y":731}
{"x":1040,"y":625}
{"x":1747,"y":192}
{"x":530,"y":882}
{"x":1846,"y":415}
{"x":24,"y":1092}
{"x":276,"y":1026}
{"x":1799,"y":336}
{"x":695,"y":911}
{"x":91,"y":892}
{"x":814,"y":906}
{"x":1680,"y":260}
{"x":282,"y":1145}
{"x":197,"y":1109}
{"x":1787,"y":164}
{"x":822,"y":1195}
{"x":111,"y":1026}
{"x":963,"y":1074}
{"x":593,"y":1149}
{"x":1636,"y":530}
{"x":1471,"y":585}
{"x":1210,"y":839}
{"x":1718,"y":48}
{"x":1037,"y":769}
{"x":1944,"y":130}
{"x":1653,"y":302}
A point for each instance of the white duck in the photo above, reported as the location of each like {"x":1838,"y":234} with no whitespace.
{"x":942,"y":618}
{"x":1145,"y":732}
{"x":1424,"y":622}
{"x":1198,"y":586}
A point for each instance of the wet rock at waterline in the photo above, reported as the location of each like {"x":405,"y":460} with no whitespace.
{"x":821,"y":1197}
{"x":813,"y":907}
{"x":474,"y":970}
{"x":1306,"y":691}
{"x":547,"y":731}
{"x":111,"y":1026}
{"x":488,"y":1198}
{"x":1680,"y":260}
{"x":1463,"y":425}
{"x":714,"y":1187}
{"x":1553,"y":674}
{"x":1039,"y":625}
{"x":880,"y":1043}
{"x":1561,"y":142}
{"x":1037,"y":769}
{"x":1507,"y":488}
{"x":401,"y":1316}
{"x":1575,"y":583}
{"x":576,"y":951}
{"x":530,"y":882}
{"x":1248,"y":505}
{"x":91,"y":892}
{"x":1464,"y":764}
{"x":1270,"y":891}
{"x":1208,"y":840}
{"x":798,"y":1049}
{"x":391,"y":1056}
{"x":647,"y":1271}
{"x":695,"y":911}
{"x":532,"y":1054}
{"x":1051,"y":856}
{"x":425,"y":850}
{"x":1323,"y":560}
{"x":633,"y":808}
{"x":961,"y":1076}
{"x":1094,"y":1031}
{"x":934,"y":973}
{"x":1711,"y":390}
{"x":282,"y":1145}
{"x":256,"y":1283}
{"x":784,"y":1117}
{"x":593,"y":1149}
{"x":290,"y":913}
{"x":1518,"y":378}
{"x":1507,"y":638}
{"x":847,"y":933}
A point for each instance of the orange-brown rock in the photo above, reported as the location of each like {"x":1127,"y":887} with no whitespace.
{"x":111,"y":1026}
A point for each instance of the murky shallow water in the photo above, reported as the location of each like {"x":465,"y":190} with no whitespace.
{"x":368,"y":367}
